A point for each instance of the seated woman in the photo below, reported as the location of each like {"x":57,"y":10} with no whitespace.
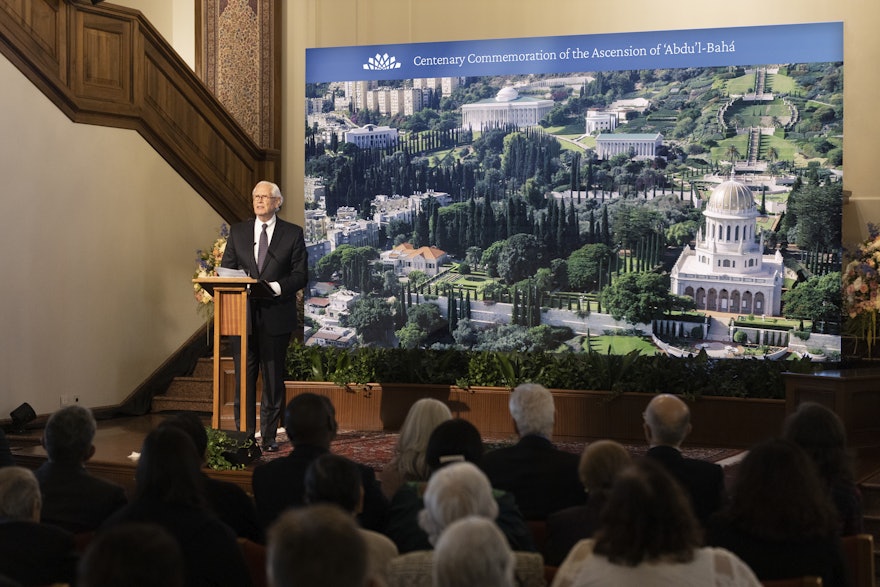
{"x":600,"y":463}
{"x":821,"y":434}
{"x":168,"y":492}
{"x":408,"y":462}
{"x":454,"y":492}
{"x":648,"y":535}
{"x":452,"y":441}
{"x":779,"y":519}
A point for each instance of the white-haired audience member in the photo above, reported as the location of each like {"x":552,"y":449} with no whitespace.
{"x":31,"y":553}
{"x":456,"y":491}
{"x":473,"y":551}
{"x":408,"y":462}
{"x":316,"y":545}
{"x":543,"y":478}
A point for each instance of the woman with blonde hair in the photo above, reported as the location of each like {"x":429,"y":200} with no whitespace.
{"x":408,"y":464}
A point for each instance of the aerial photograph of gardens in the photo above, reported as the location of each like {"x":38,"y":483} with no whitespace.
{"x":677,"y":211}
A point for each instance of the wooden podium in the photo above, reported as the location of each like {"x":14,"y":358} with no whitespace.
{"x":230,"y":319}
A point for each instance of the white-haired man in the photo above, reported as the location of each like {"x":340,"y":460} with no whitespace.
{"x":273,"y":251}
{"x":32,"y":553}
{"x":543,"y":478}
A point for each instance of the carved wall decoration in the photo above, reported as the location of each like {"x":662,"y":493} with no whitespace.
{"x":239,"y":61}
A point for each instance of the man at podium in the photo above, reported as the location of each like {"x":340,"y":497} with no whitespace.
{"x":274,"y":252}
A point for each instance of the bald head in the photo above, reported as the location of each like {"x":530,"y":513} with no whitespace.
{"x":667,"y":421}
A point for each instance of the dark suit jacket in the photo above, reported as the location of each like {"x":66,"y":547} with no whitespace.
{"x":234,"y":508}
{"x":280,"y":484}
{"x":6,"y":459}
{"x":541,"y":477}
{"x":74,"y":499}
{"x":567,"y":527}
{"x":286,"y":263}
{"x":703,"y":481}
{"x":36,"y":554}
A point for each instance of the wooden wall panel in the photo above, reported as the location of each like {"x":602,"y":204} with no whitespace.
{"x":102,"y":58}
{"x":111,"y":67}
{"x":39,"y":26}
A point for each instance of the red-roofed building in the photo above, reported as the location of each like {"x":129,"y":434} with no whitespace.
{"x":404,"y":258}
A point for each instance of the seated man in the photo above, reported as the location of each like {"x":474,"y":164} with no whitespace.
{"x":310,"y":422}
{"x":335,"y":479}
{"x":543,"y":478}
{"x":32,"y":553}
{"x":667,"y":424}
{"x":73,"y":498}
{"x":316,"y":545}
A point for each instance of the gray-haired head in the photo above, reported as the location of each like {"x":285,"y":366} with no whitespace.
{"x":20,"y":497}
{"x":69,"y":434}
{"x":532,"y":409}
{"x":473,"y":551}
{"x":453,"y":492}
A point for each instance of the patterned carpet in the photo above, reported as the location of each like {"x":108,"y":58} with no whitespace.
{"x":376,"y":448}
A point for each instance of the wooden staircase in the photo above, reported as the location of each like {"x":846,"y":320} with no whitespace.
{"x":193,"y":393}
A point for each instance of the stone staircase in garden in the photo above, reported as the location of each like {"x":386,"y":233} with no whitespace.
{"x":193,"y":393}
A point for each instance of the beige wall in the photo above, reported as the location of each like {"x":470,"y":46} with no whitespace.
{"x":100,"y":238}
{"x":96,"y":295}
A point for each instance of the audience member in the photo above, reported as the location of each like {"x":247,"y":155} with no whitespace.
{"x":648,"y":535}
{"x":316,"y":545}
{"x":6,"y":459}
{"x":667,"y":424}
{"x":310,"y":422}
{"x":32,"y":553}
{"x":228,"y":501}
{"x":335,"y":479}
{"x":169,"y":492}
{"x":134,"y":555}
{"x":473,"y":551}
{"x":542,"y":478}
{"x":600,"y":463}
{"x":453,"y":492}
{"x":821,"y":434}
{"x":408,"y":463}
{"x":452,"y":441}
{"x":73,"y":498}
{"x":779,"y":519}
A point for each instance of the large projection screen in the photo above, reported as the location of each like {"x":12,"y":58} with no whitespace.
{"x":672,"y":191}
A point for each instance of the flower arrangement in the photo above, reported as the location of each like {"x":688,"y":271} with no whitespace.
{"x":207,"y":260}
{"x":861,"y":288}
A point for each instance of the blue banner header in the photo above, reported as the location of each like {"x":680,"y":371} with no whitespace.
{"x":799,"y":43}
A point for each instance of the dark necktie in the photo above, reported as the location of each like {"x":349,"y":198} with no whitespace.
{"x":263,"y":248}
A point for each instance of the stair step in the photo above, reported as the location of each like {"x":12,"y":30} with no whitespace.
{"x":166,"y":404}
{"x":204,"y":368}
{"x":190,"y":387}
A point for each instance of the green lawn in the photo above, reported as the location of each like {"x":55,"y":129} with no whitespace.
{"x":621,"y":345}
{"x":780,"y":84}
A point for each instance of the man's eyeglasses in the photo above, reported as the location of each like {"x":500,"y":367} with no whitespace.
{"x":262,"y":197}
